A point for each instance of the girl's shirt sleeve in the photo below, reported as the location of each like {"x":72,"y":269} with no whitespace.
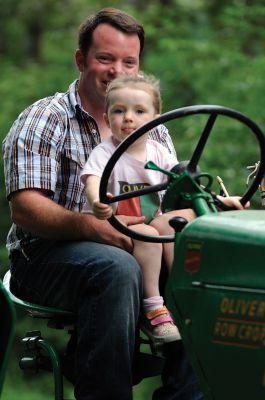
{"x":96,"y":162}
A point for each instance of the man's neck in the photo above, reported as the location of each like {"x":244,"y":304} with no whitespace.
{"x":96,"y":110}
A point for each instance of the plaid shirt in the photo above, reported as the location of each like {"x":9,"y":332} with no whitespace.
{"x":47,"y":147}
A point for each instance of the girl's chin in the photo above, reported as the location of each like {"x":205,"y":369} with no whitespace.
{"x":116,"y":141}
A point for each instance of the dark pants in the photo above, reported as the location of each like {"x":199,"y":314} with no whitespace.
{"x":103,"y":286}
{"x":179,"y":380}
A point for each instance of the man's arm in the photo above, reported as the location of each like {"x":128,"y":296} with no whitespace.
{"x":36,"y":213}
{"x":161,"y":135}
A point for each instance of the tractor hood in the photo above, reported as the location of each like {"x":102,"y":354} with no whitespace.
{"x":227,"y":248}
{"x":216,"y":293}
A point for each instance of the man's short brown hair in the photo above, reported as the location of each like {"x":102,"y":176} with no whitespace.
{"x":114,"y":17}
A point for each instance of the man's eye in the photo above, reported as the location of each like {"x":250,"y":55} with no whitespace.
{"x":104,"y":59}
{"x":130,"y":62}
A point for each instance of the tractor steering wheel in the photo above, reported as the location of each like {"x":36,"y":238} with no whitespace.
{"x":213,"y":111}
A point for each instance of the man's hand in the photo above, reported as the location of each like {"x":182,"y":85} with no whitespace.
{"x":104,"y":232}
{"x":130,"y":220}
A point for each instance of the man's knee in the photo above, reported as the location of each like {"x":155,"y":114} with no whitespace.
{"x":125,"y":269}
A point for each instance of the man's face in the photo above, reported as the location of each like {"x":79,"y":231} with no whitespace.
{"x":112,"y":53}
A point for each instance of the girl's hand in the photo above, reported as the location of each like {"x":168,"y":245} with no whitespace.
{"x":233,"y":201}
{"x":102,"y":210}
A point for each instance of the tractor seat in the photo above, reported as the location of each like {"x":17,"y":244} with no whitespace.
{"x":38,"y":353}
{"x":57,"y":317}
{"x":146,"y":365}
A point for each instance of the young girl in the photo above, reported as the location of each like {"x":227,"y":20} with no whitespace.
{"x":131,"y":101}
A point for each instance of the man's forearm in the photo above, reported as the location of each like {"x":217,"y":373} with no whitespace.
{"x":36,"y":213}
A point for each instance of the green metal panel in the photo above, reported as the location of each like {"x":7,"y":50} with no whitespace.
{"x":216,"y":292}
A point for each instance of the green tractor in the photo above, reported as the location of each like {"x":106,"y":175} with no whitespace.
{"x":216,"y":290}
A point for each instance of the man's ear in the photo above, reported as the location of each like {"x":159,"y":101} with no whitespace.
{"x":106,"y":119}
{"x":80,"y":60}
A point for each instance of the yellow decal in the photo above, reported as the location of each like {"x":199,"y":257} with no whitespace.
{"x":241,"y":322}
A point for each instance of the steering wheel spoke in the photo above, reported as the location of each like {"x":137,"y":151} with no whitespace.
{"x":201,"y":144}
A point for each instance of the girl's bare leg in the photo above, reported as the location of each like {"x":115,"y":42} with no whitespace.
{"x":149,"y":256}
{"x":162,"y":226}
{"x":157,"y":323}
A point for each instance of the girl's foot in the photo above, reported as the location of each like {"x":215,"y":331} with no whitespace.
{"x":158,"y":325}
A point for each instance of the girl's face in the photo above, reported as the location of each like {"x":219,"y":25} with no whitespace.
{"x":129,"y":109}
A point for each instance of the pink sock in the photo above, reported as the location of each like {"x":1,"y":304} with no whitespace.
{"x":152,"y":303}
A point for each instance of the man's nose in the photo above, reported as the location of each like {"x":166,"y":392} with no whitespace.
{"x":117,"y":69}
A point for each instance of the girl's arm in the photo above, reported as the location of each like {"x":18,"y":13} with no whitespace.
{"x":101,"y":210}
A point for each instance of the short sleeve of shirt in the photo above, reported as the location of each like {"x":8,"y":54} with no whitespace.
{"x":31,"y":150}
{"x":160,"y":155}
{"x":97,"y":160}
{"x":161,"y":135}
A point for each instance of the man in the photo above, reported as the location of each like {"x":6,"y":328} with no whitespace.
{"x":59,"y":256}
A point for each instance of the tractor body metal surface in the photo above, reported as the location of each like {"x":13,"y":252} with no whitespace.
{"x":216,"y":292}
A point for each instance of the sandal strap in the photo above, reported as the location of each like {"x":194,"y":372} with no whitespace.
{"x":161,"y":320}
{"x":157,"y":312}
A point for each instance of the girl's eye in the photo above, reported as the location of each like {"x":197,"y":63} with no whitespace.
{"x":140,"y":111}
{"x":117,"y":111}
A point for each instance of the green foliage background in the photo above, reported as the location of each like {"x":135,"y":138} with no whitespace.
{"x":203,"y":51}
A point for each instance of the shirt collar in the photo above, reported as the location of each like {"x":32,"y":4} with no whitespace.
{"x":75,"y":100}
